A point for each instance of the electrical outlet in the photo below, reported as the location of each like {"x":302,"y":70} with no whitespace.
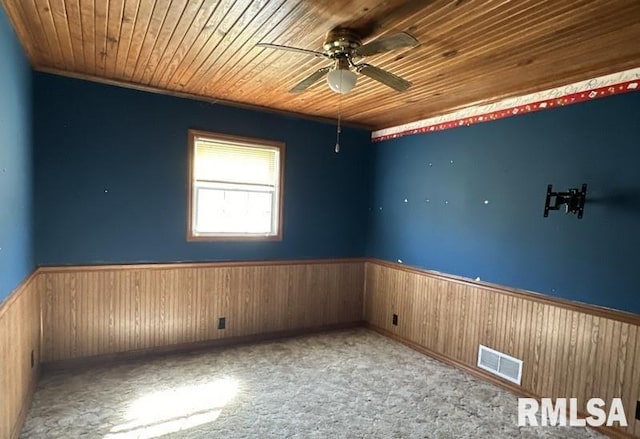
{"x":33,"y":360}
{"x":395,"y":320}
{"x":222,"y":323}
{"x":638,"y":410}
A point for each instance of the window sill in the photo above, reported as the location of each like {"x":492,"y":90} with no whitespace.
{"x":231,"y":237}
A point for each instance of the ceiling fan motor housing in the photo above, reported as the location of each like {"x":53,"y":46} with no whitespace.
{"x":344,"y":46}
{"x":340,"y":42}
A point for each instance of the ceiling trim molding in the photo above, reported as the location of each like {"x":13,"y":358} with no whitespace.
{"x":602,"y":86}
{"x":184,"y":95}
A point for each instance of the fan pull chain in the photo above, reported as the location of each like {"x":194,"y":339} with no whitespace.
{"x":337,"y":148}
{"x":338,"y":136}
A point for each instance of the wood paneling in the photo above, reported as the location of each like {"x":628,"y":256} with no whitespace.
{"x":70,"y":313}
{"x":97,"y":311}
{"x":471,"y":51}
{"x":19,"y":336}
{"x":569,"y":350}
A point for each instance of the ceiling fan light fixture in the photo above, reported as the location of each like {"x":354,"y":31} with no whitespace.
{"x":343,"y":45}
{"x":341,"y":80}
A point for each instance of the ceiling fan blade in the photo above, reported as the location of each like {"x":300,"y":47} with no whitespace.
{"x":310,"y":80}
{"x":384,"y":44}
{"x":387,"y":78}
{"x":291,"y":49}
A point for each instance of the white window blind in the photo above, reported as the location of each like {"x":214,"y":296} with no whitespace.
{"x":226,"y":162}
{"x":235,"y":188}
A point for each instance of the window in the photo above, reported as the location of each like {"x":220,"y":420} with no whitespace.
{"x":235,"y":187}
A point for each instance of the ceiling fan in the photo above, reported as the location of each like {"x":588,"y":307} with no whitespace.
{"x":343,"y":45}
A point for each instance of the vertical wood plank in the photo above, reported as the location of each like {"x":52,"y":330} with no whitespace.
{"x":566,"y":352}
{"x":19,"y":337}
{"x":108,"y":311}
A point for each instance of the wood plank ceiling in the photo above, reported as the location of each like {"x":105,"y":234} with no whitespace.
{"x":470,"y":52}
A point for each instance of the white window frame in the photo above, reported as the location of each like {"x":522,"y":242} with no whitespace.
{"x":194,"y":186}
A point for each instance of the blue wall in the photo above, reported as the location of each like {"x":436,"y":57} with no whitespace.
{"x":16,"y":261}
{"x":111,"y":188}
{"x":446,"y":177}
{"x":111,"y":178}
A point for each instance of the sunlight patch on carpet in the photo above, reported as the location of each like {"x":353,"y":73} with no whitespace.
{"x":160,"y":413}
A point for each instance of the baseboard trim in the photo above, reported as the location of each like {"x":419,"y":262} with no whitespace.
{"x":608,"y":431}
{"x":451,"y":362}
{"x":86,"y":362}
{"x":207,"y":345}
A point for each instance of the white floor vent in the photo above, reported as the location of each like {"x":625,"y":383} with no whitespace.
{"x":500,"y":364}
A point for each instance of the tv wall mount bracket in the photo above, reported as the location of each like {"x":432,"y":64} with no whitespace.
{"x":573,"y":200}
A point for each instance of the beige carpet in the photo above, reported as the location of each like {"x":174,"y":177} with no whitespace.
{"x":347,"y":384}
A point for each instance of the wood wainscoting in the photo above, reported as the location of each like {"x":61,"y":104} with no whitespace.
{"x":19,"y":355}
{"x":75,"y":314}
{"x":568,"y":349}
{"x":99,"y":311}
